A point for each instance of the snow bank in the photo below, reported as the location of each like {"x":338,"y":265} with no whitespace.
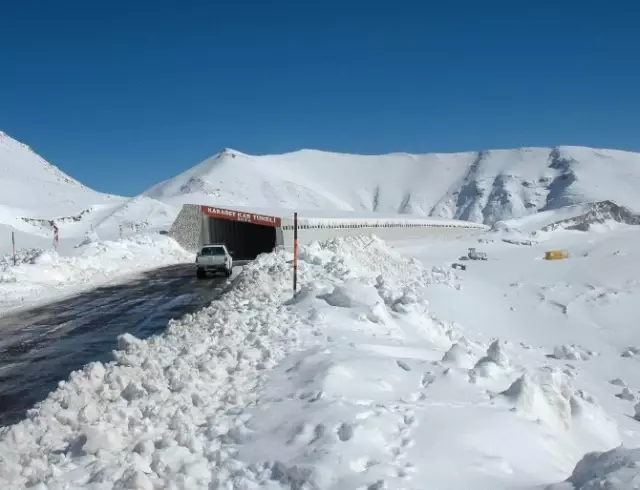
{"x":352,"y":383}
{"x":22,"y":256}
{"x":44,"y":274}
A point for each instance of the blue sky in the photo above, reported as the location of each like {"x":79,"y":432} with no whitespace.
{"x":122,"y":94}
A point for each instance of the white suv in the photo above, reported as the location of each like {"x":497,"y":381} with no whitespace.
{"x":213,"y":258}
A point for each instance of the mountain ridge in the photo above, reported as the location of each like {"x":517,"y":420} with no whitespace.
{"x":482,"y":186}
{"x":486,"y":186}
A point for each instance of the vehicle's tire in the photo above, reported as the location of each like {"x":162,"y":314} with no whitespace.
{"x":228,"y":272}
{"x":201,"y":274}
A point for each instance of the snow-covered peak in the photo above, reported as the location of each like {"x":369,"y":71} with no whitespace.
{"x":18,"y":160}
{"x":30,"y":186}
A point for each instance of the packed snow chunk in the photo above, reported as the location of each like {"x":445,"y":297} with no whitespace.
{"x":494,"y":362}
{"x":545,"y":396}
{"x":631,"y":352}
{"x":362,"y":299}
{"x":101,"y":438}
{"x":627,"y":394}
{"x":135,"y":480}
{"x":496,"y":354}
{"x":353,"y":293}
{"x":296,"y":477}
{"x":128,"y":342}
{"x":617,"y":469}
{"x":459,"y":355}
{"x":548,"y":396}
{"x":572,"y":352}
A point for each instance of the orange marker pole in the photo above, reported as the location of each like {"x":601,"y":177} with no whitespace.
{"x":295,"y":252}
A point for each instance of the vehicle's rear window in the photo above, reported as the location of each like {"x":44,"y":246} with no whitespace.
{"x":213,"y":251}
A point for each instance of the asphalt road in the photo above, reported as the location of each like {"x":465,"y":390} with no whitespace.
{"x":42,"y":346}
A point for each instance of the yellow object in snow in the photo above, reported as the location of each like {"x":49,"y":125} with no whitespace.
{"x":556,"y":255}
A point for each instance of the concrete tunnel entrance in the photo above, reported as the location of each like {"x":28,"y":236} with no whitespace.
{"x":246,"y":235}
{"x":245,"y":240}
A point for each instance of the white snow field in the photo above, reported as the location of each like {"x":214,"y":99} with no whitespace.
{"x":42,"y":275}
{"x":382,"y":373}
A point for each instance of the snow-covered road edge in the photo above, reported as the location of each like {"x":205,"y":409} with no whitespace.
{"x":46,"y":276}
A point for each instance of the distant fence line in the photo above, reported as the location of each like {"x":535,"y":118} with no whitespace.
{"x":378,"y":225}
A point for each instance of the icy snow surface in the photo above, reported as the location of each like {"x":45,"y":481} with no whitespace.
{"x":380,"y":373}
{"x":44,"y":274}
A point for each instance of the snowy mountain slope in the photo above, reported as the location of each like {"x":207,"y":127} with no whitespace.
{"x":34,"y":194}
{"x":35,"y":187}
{"x":485,"y":186}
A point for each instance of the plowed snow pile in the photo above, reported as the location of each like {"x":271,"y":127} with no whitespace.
{"x":352,"y":384}
{"x":44,"y":274}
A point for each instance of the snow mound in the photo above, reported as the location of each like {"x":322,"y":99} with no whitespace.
{"x":42,"y":274}
{"x":492,"y":364}
{"x":548,"y":396}
{"x":459,"y":355}
{"x":572,"y":352}
{"x":351,"y":294}
{"x":617,"y":469}
{"x":545,"y":396}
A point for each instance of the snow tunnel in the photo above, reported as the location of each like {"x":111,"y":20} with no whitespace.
{"x":246,"y":235}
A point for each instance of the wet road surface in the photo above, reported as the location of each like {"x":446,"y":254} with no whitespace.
{"x":41,"y":346}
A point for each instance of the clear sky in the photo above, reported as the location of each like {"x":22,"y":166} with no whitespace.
{"x":122,"y":94}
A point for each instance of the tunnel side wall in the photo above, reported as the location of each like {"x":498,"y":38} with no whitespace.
{"x":187,"y":229}
{"x":192,"y":229}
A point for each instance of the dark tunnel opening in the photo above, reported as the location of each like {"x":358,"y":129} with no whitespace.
{"x":245,"y":240}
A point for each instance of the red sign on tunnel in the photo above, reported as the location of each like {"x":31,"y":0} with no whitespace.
{"x":233,"y":215}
